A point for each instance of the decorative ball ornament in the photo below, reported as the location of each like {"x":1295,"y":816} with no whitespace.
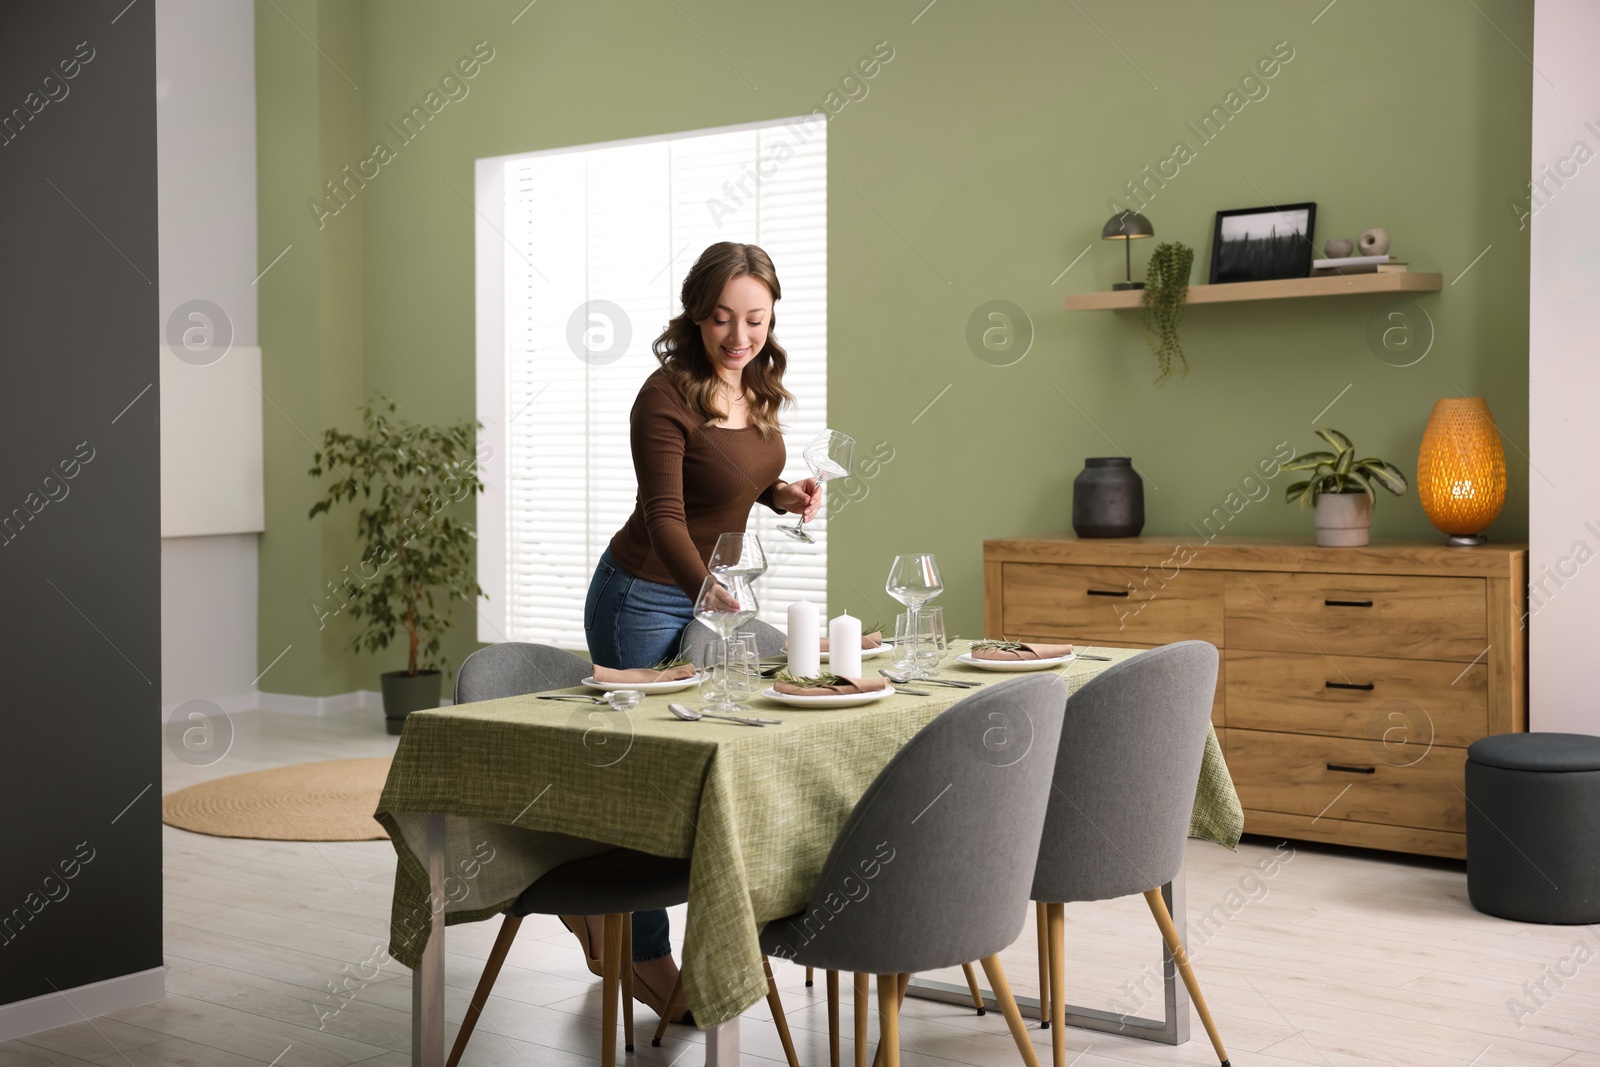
{"x":1374,"y":242}
{"x":1461,"y":469}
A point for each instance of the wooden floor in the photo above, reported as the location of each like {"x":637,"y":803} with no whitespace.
{"x":1339,"y":957}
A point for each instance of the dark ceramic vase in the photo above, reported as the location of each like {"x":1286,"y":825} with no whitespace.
{"x":1108,"y":499}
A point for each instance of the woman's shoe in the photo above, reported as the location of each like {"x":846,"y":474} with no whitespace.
{"x":657,"y":1003}
{"x":578,"y":926}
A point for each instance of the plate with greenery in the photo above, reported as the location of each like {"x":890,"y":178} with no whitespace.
{"x":675,"y":686}
{"x":1009,"y":664}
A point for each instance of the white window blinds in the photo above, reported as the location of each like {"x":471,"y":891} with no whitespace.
{"x":596,"y":243}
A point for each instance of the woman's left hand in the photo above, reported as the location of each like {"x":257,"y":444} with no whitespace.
{"x":802,"y":497}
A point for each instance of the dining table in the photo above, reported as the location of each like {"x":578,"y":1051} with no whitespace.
{"x":484,"y":798}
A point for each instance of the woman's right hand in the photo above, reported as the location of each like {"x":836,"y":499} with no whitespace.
{"x":723,"y":600}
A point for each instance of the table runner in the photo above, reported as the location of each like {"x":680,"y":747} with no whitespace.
{"x":527,"y":785}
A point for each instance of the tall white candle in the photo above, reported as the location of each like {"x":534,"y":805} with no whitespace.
{"x":844,"y":646}
{"x":805,"y":639}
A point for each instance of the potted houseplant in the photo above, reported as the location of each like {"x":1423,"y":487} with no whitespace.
{"x":412,"y":547}
{"x":1340,"y":489}
{"x":1166,"y":290}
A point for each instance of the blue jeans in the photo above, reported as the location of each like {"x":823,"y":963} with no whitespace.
{"x":630,"y":622}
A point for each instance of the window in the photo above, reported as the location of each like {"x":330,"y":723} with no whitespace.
{"x":580,"y":256}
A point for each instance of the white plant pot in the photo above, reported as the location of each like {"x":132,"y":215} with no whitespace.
{"x":1343,"y":520}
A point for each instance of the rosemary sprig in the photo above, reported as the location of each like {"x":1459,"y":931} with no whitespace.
{"x":1004,"y":646}
{"x":824,"y":678}
{"x":876,"y":628}
{"x":674,"y":661}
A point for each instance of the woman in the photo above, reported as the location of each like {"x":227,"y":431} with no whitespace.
{"x":706,"y":446}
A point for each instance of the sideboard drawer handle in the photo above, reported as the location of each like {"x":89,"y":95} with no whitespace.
{"x":1351,"y":770}
{"x":1348,"y":603}
{"x":1364,"y":686}
{"x":1108,"y":592}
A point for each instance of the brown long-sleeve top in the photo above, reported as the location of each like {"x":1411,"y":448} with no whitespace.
{"x":695,"y":482}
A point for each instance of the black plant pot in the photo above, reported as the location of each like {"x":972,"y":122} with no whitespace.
{"x":404,"y":693}
{"x":1108,"y":499}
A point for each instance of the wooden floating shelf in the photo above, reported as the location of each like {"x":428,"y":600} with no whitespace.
{"x":1283,"y":288}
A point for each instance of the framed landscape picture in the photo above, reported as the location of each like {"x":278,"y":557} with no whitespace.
{"x":1262,"y":243}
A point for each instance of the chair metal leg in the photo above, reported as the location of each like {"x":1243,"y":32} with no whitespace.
{"x":1041,"y":923}
{"x":480,"y":996}
{"x":1056,"y":916}
{"x":1008,"y":1007}
{"x":833,"y":1019}
{"x":862,"y":983}
{"x":611,"y":968}
{"x":666,"y":1016}
{"x":972,"y":984}
{"x":889,"y":1019}
{"x":1169,"y":934}
{"x":1171,"y":1029}
{"x":627,"y":982}
{"x":778,"y":1018}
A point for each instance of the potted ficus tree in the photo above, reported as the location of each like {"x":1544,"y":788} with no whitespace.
{"x":416,"y":557}
{"x":1340,"y":490}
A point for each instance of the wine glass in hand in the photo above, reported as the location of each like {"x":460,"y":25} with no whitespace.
{"x":724,"y":604}
{"x":738,"y":554}
{"x":830,"y":456}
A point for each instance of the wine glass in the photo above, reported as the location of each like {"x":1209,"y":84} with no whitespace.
{"x":830,"y":456}
{"x":738,"y":554}
{"x":914,"y":580}
{"x":725,"y":603}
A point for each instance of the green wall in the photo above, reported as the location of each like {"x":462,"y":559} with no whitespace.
{"x":984,"y":154}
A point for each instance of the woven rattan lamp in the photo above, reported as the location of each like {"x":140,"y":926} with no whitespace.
{"x":1461,"y":469}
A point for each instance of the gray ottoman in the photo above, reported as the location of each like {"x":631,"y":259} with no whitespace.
{"x":1533,"y":827}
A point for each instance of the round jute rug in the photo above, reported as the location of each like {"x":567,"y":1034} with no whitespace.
{"x":331,"y":801}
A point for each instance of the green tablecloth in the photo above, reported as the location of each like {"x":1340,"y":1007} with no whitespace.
{"x":527,"y":785}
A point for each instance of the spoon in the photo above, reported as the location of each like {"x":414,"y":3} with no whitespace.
{"x":688,"y":714}
{"x":900,"y":679}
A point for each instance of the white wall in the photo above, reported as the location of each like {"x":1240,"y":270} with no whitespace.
{"x":1564,"y":370}
{"x":208,"y":621}
{"x":211,"y":465}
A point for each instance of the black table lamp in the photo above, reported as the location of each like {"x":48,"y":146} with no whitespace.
{"x":1126,"y":226}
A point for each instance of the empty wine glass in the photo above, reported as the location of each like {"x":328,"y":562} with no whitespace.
{"x":731,"y":676}
{"x":830,"y":456}
{"x":725,"y":603}
{"x":738,"y":554}
{"x":914,"y":580}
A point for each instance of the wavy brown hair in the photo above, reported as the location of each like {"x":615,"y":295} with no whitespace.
{"x":682,"y":353}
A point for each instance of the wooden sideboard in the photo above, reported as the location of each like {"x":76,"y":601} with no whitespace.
{"x":1352,"y":679}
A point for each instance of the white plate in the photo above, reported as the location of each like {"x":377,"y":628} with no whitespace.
{"x":868,"y":653}
{"x":832,"y":700}
{"x":1013,"y":664}
{"x":644,"y":687}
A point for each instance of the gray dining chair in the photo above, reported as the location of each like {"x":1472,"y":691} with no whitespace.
{"x":1118,"y":818}
{"x":612,"y":884}
{"x":698,"y":638}
{"x":933,"y":867}
{"x":512,"y":668}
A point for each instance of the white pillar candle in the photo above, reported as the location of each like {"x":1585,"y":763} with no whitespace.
{"x":805,"y":639}
{"x":844,"y":646}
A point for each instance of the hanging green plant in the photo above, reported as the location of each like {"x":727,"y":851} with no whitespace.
{"x":1166,"y":288}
